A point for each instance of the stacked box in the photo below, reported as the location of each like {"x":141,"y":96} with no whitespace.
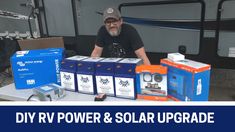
{"x":175,"y":56}
{"x":105,"y":76}
{"x":125,"y":77}
{"x":151,"y":82}
{"x":68,"y":72}
{"x":36,"y":67}
{"x":86,"y":75}
{"x":187,"y":80}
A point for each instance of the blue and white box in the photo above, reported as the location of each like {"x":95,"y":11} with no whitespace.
{"x":86,"y":75}
{"x":105,"y":76}
{"x":125,"y":77}
{"x":36,"y":67}
{"x":187,"y":80}
{"x":50,"y":92}
{"x":68,"y":72}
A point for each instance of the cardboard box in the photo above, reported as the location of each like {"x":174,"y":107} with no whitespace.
{"x":175,"y":56}
{"x":187,"y":80}
{"x":41,"y":43}
{"x":36,"y":67}
{"x":151,"y":82}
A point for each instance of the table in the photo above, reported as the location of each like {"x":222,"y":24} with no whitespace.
{"x":9,"y":92}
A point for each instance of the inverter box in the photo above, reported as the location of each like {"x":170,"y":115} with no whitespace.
{"x":33,"y":68}
{"x":105,"y":70}
{"x":187,"y":80}
{"x":68,"y":72}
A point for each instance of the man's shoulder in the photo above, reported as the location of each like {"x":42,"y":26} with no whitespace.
{"x":128,"y":26}
{"x":102,"y":28}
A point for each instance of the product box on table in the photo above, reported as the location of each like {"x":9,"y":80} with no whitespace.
{"x":187,"y":80}
{"x":105,"y":76}
{"x":33,"y":68}
{"x":68,"y":72}
{"x":125,"y":77}
{"x":151,"y":82}
{"x":50,"y":92}
{"x":86,"y":75}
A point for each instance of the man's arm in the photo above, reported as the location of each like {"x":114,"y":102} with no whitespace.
{"x":142,"y":55}
{"x":97,"y":51}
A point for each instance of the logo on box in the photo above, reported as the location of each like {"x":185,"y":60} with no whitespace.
{"x":67,"y":77}
{"x":30,"y":82}
{"x":20,"y":63}
{"x":124,"y":83}
{"x":84,"y":79}
{"x":104,"y":81}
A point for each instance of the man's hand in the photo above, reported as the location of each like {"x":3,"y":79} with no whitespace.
{"x":97,"y":51}
{"x":142,"y":55}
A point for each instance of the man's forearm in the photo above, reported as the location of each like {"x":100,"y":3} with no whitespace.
{"x":97,"y":51}
{"x":146,"y":60}
{"x":95,"y":54}
{"x":142,"y":55}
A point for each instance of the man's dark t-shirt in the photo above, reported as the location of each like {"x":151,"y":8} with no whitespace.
{"x":123,"y":45}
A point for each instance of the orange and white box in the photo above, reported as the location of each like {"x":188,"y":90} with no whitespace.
{"x":151,"y":82}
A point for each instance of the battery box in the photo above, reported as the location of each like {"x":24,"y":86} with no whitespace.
{"x":68,"y":72}
{"x":125,"y":77}
{"x":86,"y":75}
{"x":105,"y":76}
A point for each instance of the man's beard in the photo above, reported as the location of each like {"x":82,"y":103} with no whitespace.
{"x":114,"y":33}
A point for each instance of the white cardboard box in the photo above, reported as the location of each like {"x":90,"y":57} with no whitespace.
{"x":175,"y":56}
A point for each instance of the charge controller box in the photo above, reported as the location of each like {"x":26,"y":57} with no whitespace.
{"x":187,"y":80}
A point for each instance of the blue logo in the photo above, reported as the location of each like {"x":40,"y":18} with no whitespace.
{"x":124,"y":83}
{"x":67,"y":77}
{"x":104,"y":81}
{"x":84,"y":79}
